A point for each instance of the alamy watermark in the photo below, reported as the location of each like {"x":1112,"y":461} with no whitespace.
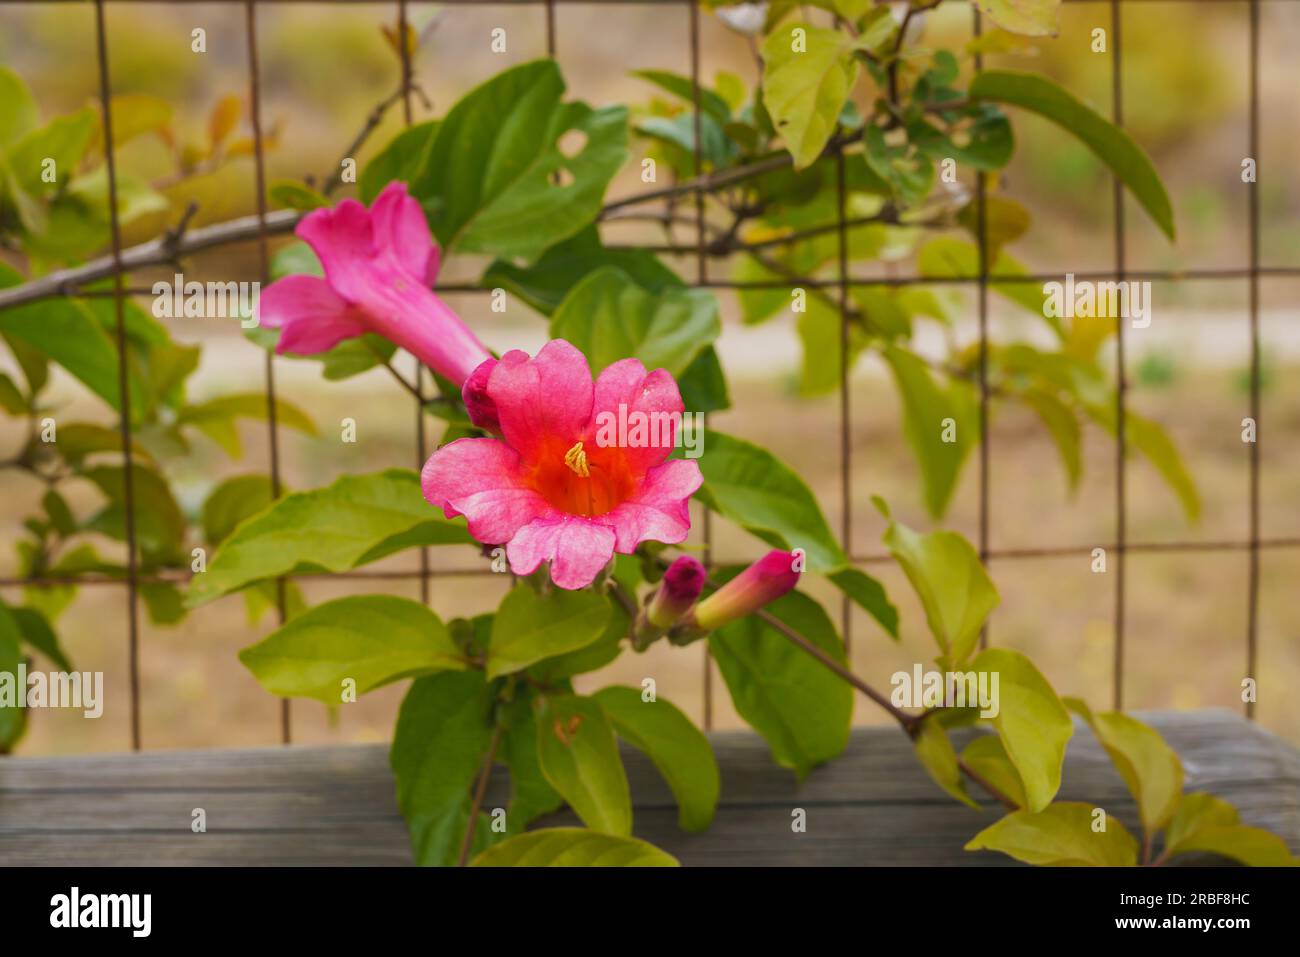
{"x":1085,"y":299}
{"x":946,"y":689}
{"x":54,"y":689}
{"x":179,"y":299}
{"x":635,"y":429}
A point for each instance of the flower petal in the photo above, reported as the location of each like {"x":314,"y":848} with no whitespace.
{"x":660,"y":511}
{"x":543,"y":401}
{"x":482,"y":410}
{"x":482,"y":480}
{"x":311,"y":316}
{"x":401,"y":231}
{"x":577,"y":549}
{"x":343,"y":240}
{"x":637,"y":412}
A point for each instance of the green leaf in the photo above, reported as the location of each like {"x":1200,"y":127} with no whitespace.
{"x":804,"y":90}
{"x":1208,"y":824}
{"x":1063,"y":425}
{"x":932,"y":415}
{"x":530,"y":627}
{"x":135,"y":197}
{"x":12,"y":399}
{"x":589,"y":658}
{"x":443,"y":732}
{"x":573,"y":847}
{"x":36,"y":632}
{"x":61,"y":518}
{"x":1152,"y":441}
{"x":232,"y":501}
{"x":947,"y":257}
{"x":1147,"y":764}
{"x":357,"y":519}
{"x":681,"y":86}
{"x":754,"y":489}
{"x":63,"y":140}
{"x":163,"y":601}
{"x":293,"y":194}
{"x":215,"y":418}
{"x":490,"y":173}
{"x":77,"y":440}
{"x":159,"y":523}
{"x":1032,"y":722}
{"x":935,"y":752}
{"x":987,"y":757}
{"x":544,"y":284}
{"x":820,"y":334}
{"x":704,"y":385}
{"x":869,"y":595}
{"x":800,"y":707}
{"x":953,"y":586}
{"x":66,"y":332}
{"x":18,"y":113}
{"x":372,"y":640}
{"x":1030,"y":18}
{"x":1112,"y":145}
{"x":610,"y":317}
{"x":1060,"y":836}
{"x":399,"y":160}
{"x":580,"y":759}
{"x":678,"y":749}
{"x":13,"y":719}
{"x":531,"y":795}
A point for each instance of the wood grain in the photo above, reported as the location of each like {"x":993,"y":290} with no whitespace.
{"x":335,"y":805}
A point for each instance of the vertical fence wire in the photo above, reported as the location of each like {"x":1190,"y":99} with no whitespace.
{"x":404,"y":44}
{"x":273,"y":432}
{"x":982,"y":291}
{"x":1252,"y":620}
{"x":846,"y":444}
{"x":1121,"y":384}
{"x":123,"y":381}
{"x":702,"y":275}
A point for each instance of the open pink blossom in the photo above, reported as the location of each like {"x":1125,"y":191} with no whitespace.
{"x":379,"y":264}
{"x":552,"y":488}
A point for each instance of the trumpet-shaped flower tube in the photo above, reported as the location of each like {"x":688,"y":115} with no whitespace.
{"x":379,"y":264}
{"x":760,"y":584}
{"x":551,"y":487}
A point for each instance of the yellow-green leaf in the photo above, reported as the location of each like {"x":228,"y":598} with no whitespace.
{"x":1112,"y":145}
{"x":953,"y":586}
{"x":987,"y":757}
{"x":1148,"y":765}
{"x":1208,"y":824}
{"x":1030,"y":18}
{"x":935,"y":752}
{"x":1032,"y":722}
{"x":573,"y":847}
{"x":808,"y":73}
{"x":580,"y":759}
{"x":1060,"y":835}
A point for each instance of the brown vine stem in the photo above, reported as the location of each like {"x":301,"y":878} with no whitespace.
{"x":480,"y":790}
{"x":910,"y":723}
{"x":67,"y":282}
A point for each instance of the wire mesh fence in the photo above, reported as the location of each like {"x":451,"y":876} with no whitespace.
{"x":266,"y":224}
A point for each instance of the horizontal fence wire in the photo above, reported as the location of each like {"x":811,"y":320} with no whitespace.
{"x":267,"y":224}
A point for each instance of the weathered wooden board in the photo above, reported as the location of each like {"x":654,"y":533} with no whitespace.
{"x":335,"y":805}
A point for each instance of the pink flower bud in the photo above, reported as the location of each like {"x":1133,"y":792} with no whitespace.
{"x":682,"y":584}
{"x":761,"y":583}
{"x":482,"y":410}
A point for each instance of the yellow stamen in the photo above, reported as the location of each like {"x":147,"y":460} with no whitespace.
{"x":576,"y":459}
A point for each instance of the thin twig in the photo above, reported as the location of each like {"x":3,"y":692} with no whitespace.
{"x":479,"y":791}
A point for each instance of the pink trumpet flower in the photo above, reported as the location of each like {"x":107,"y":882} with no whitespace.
{"x":379,"y":264}
{"x":760,"y":584}
{"x":552,"y":487}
